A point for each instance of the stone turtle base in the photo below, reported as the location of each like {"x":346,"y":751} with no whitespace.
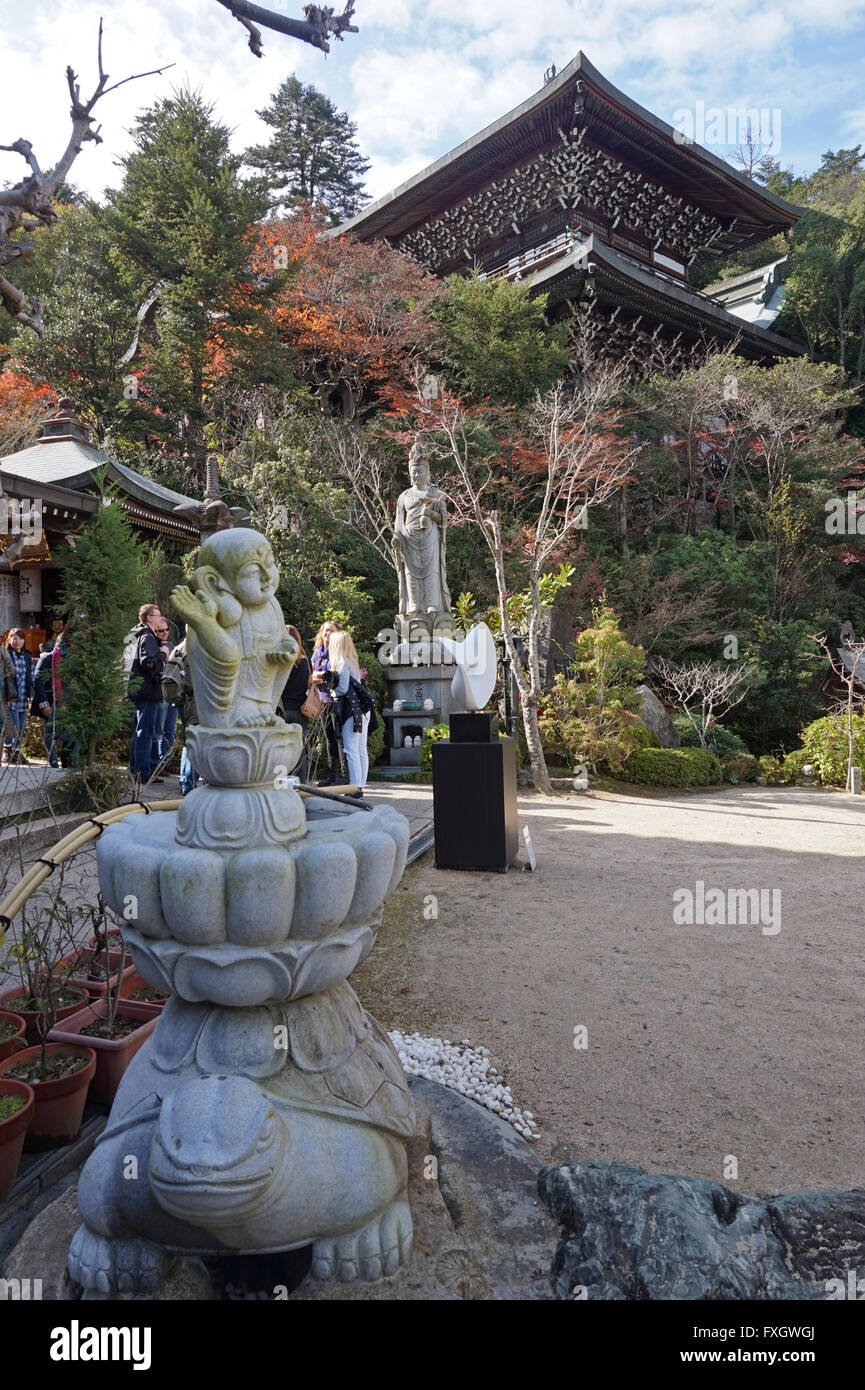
{"x":480,"y":1230}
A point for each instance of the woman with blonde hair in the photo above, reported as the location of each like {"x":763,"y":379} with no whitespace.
{"x":320,"y":670}
{"x":353,"y":707}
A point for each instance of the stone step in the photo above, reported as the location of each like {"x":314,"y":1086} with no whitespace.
{"x":27,"y":789}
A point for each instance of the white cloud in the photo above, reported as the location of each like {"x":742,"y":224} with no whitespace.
{"x":424,"y":75}
{"x":853,"y":126}
{"x":207,"y":47}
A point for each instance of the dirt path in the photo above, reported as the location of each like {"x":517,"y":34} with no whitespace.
{"x":703,"y":1041}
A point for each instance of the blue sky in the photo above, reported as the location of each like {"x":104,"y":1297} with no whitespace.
{"x":423,"y":75}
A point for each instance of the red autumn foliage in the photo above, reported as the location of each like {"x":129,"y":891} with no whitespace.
{"x":353,"y":311}
{"x":23,"y":407}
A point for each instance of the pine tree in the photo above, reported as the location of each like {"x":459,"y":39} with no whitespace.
{"x":313,"y":155}
{"x":181,"y":225}
{"x":101,"y":593}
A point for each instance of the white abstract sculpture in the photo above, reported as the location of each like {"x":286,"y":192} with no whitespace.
{"x":475,"y":658}
{"x":475,"y":677}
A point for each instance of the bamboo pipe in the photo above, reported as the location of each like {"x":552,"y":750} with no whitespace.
{"x":69,"y":845}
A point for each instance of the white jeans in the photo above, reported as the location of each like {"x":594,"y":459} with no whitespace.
{"x":356,"y":755}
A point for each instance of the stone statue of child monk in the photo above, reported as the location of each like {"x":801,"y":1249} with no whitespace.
{"x":239,"y":651}
{"x":419,"y":543}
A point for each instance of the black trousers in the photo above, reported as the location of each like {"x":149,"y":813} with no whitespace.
{"x":331,"y":734}
{"x":294,"y":716}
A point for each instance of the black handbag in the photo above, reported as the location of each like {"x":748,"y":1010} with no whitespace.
{"x":10,"y":683}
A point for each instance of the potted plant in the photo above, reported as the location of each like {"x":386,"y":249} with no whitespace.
{"x":138,"y":991}
{"x":16,"y":1111}
{"x":44,"y":993}
{"x":86,"y":967}
{"x":113,"y":1026}
{"x":12,"y":1030}
{"x":59,"y":1074}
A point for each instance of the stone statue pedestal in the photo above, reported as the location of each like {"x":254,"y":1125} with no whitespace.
{"x":403,"y":684}
{"x":268,"y":1110}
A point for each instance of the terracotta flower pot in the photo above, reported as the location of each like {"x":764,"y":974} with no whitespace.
{"x":138,"y":982}
{"x":114,"y":935}
{"x":16,"y":1041}
{"x":12,"y":1133}
{"x":32,"y":1016}
{"x":79,"y":961}
{"x":59,"y":1100}
{"x":113,"y":1055}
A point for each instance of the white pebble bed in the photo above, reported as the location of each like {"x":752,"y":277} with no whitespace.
{"x":466,"y":1069}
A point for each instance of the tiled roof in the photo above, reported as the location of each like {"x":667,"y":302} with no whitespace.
{"x":71,"y":464}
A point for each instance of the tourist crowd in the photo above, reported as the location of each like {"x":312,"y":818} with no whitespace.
{"x":325,"y":687}
{"x":34,"y":687}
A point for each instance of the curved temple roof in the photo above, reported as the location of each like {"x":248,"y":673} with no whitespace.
{"x":581,"y":95}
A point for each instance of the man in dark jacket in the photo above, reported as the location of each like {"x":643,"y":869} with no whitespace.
{"x":177,"y":689}
{"x":145,"y":690}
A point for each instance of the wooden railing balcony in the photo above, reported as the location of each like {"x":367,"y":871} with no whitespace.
{"x":536,"y":256}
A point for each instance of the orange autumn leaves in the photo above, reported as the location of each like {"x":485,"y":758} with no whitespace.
{"x":354,"y":313}
{"x":23,"y":407}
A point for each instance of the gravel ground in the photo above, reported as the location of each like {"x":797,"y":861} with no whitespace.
{"x":705,"y":1043}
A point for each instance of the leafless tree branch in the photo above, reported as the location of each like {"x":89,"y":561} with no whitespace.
{"x":319,"y":24}
{"x":363,"y":470}
{"x":29,"y":204}
{"x":715,"y":689}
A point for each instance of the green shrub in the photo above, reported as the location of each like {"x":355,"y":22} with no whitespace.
{"x":793,"y":764}
{"x":646,"y":737}
{"x":32,"y":745}
{"x":725,"y":740}
{"x":772,"y":770}
{"x":431,"y":736}
{"x":740,"y":767}
{"x":591,"y":716}
{"x":375,"y":742}
{"x":375,"y":679}
{"x":673,"y":767}
{"x":825,"y":744}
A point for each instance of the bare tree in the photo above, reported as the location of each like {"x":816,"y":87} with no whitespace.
{"x":713,"y":690}
{"x":848,"y":663}
{"x":576,"y":456}
{"x":29,"y":204}
{"x":754,"y":155}
{"x":365,"y":472}
{"x":319,"y":24}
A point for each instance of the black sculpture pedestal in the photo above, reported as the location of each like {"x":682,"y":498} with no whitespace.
{"x":475,"y":796}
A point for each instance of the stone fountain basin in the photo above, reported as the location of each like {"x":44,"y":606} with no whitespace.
{"x":257,"y":924}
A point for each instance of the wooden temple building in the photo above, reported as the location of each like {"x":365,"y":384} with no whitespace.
{"x":47,"y":493}
{"x":602,"y":206}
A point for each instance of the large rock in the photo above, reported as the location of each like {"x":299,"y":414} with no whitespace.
{"x":629,"y":1234}
{"x":656,"y":718}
